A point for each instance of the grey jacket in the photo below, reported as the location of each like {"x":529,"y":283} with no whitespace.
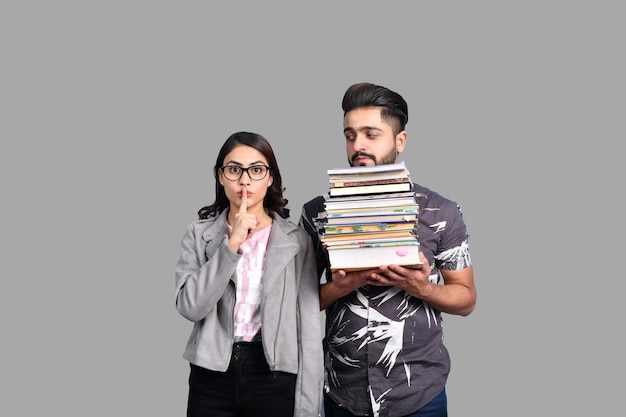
{"x":291,"y":332}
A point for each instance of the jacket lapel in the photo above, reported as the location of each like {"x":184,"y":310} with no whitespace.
{"x":282,"y":246}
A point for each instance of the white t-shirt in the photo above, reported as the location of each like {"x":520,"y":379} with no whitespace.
{"x":249,"y":285}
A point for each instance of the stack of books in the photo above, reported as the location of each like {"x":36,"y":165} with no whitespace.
{"x":370,"y":218}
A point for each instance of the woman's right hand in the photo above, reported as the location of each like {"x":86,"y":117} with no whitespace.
{"x":244,"y":224}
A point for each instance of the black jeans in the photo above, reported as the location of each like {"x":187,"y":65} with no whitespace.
{"x":247,"y":388}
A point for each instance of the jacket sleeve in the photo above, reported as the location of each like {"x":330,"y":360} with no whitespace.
{"x":310,"y":364}
{"x":201,"y":280}
{"x":309,"y":213}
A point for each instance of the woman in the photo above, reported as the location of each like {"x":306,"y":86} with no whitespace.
{"x":247,"y":279}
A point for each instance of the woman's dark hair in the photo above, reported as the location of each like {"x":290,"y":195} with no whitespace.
{"x":274,"y":201}
{"x":394,"y":107}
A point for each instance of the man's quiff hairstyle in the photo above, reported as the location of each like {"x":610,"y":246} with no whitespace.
{"x":393,"y":107}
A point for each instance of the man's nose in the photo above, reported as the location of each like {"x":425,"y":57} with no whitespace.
{"x":360,"y":142}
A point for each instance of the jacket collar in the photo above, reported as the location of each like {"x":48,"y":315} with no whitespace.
{"x":282,"y":245}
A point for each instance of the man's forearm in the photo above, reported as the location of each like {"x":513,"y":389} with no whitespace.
{"x":329,"y":293}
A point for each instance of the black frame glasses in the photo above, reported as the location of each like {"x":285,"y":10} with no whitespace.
{"x":229,"y":172}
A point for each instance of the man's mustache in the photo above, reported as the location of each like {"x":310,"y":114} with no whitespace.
{"x":358,"y":154}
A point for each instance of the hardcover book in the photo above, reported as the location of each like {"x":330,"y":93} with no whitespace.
{"x":367,"y":181}
{"x":391,"y":202}
{"x":350,"y":218}
{"x":398,"y":168}
{"x":338,"y":229}
{"x":370,"y":189}
{"x":364,"y":237}
{"x":359,"y":258}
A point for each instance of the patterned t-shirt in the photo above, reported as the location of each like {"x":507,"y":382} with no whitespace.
{"x":249,"y":285}
{"x":384,"y":351}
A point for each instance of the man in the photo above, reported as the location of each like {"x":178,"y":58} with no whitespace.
{"x":384,"y":352}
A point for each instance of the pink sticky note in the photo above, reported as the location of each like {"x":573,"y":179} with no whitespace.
{"x":402,"y":252}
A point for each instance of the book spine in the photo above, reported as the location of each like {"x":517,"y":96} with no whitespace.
{"x":366,"y":182}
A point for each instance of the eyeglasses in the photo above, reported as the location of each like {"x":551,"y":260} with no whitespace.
{"x":255,"y":172}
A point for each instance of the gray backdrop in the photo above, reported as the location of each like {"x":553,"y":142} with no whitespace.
{"x":112,"y":114}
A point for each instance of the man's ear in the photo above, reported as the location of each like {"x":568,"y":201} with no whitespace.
{"x":401,"y":141}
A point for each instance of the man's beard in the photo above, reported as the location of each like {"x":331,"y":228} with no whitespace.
{"x":390,"y":158}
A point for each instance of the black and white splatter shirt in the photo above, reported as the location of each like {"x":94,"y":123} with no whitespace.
{"x":384,"y":351}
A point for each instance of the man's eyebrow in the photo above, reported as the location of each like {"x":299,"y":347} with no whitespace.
{"x":361,"y":129}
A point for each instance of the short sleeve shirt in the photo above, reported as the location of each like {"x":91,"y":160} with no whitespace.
{"x":384,"y":348}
